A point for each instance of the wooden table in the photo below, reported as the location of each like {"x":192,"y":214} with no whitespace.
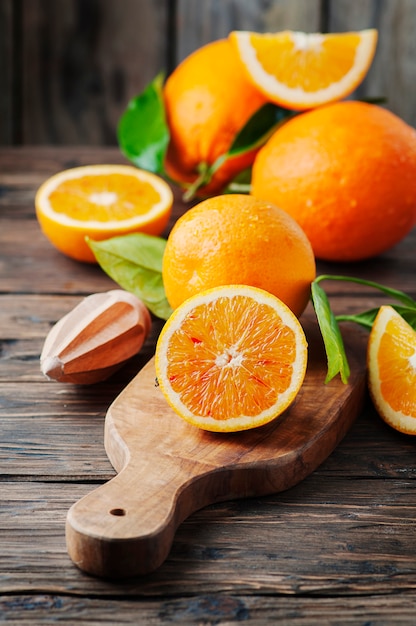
{"x":339,"y":548}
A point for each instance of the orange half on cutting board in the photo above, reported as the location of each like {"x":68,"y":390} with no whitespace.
{"x":231,"y":358}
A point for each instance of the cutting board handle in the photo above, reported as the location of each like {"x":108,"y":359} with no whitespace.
{"x":167,"y":469}
{"x":127,"y":525}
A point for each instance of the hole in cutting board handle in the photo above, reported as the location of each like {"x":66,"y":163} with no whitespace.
{"x":118,"y":512}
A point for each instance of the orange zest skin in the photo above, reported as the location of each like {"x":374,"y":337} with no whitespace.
{"x":208,"y":99}
{"x":391,"y":362}
{"x":236,"y":238}
{"x":302,"y":71}
{"x":335,"y":169}
{"x":100,"y":202}
{"x":231,"y":358}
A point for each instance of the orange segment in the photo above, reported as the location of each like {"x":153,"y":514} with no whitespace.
{"x":392,"y":369}
{"x":231,"y":358}
{"x":300,"y":70}
{"x":101,"y":201}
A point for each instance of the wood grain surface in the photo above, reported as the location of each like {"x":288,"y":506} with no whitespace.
{"x":337,"y":548}
{"x":69,"y":68}
{"x":168,"y":469}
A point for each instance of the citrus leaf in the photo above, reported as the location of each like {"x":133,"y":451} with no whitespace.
{"x":135,"y":263}
{"x":254,"y":134}
{"x":261,"y":125}
{"x":389,"y":291}
{"x":241,"y":183}
{"x":366,"y":318}
{"x":328,"y":323}
{"x":331,"y":335}
{"x":143,"y":134}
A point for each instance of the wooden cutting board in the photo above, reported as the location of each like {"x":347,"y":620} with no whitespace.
{"x":168,"y":468}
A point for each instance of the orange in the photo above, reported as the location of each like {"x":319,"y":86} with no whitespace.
{"x":101,"y":201}
{"x":347,"y":173}
{"x":391,"y":359}
{"x":301,"y":71}
{"x":208,"y":99}
{"x":231,"y":358}
{"x":238,"y":239}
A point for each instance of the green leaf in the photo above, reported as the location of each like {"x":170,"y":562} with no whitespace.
{"x":366,"y":318}
{"x":389,"y":291}
{"x":328,"y":323}
{"x":331,"y":335}
{"x":261,"y":125}
{"x":135,"y":263}
{"x":241,"y":183}
{"x":143,"y":133}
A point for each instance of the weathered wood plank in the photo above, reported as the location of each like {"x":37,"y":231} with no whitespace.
{"x":393,"y":72}
{"x":25,"y":320}
{"x":47,"y":160}
{"x":28,"y":262}
{"x":201,"y":22}
{"x":42,"y":264}
{"x":211,"y":608}
{"x":49,"y":271}
{"x":339,"y":544}
{"x":71,"y":73}
{"x":23,"y":169}
{"x":22,"y":335}
{"x":8,"y":72}
{"x":82,"y":62}
{"x":311,"y":543}
{"x":69,"y":421}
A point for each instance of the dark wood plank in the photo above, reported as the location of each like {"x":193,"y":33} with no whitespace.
{"x":200,"y":23}
{"x":212,"y":608}
{"x":8,"y":72}
{"x":47,"y":271}
{"x":68,"y":71}
{"x":393,"y":71}
{"x":338,"y":548}
{"x":66,"y":422}
{"x":41,"y":268}
{"x":22,"y":335}
{"x":312,"y":542}
{"x":374,"y":450}
{"x":24,"y":169}
{"x":82,"y":62}
{"x":55,"y":273}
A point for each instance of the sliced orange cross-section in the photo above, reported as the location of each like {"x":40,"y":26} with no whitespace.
{"x":304,"y":70}
{"x":231,"y":358}
{"x":391,"y":361}
{"x":101,"y":201}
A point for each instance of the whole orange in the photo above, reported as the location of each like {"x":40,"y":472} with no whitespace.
{"x":208,"y":99}
{"x":237,"y":239}
{"x":347,"y":173}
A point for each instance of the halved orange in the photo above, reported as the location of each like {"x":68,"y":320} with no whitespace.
{"x":101,"y":201}
{"x":391,"y":359}
{"x":304,"y":70}
{"x":231,"y":358}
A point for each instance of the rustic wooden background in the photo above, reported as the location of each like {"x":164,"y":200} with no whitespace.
{"x":69,"y":67}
